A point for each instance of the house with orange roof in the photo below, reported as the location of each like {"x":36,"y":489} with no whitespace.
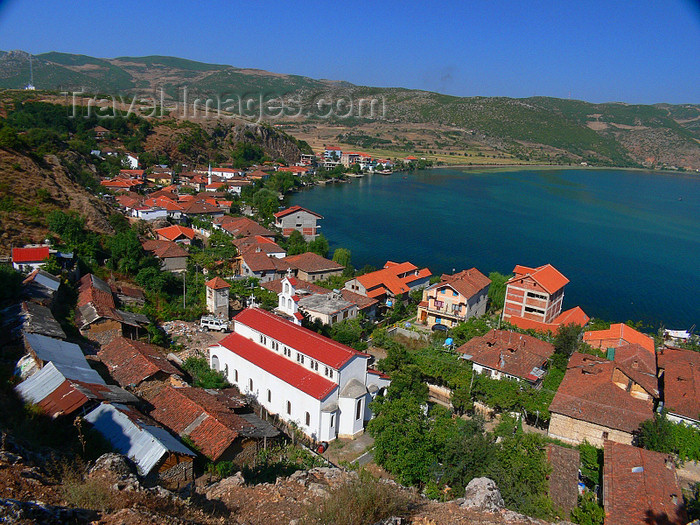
{"x":679,"y":371}
{"x":176,"y":233}
{"x":502,"y":354}
{"x":300,"y":219}
{"x":173,"y":257}
{"x":217,"y":297}
{"x":534,"y":298}
{"x":295,"y":170}
{"x":242,"y":227}
{"x":312,"y":267}
{"x":390,"y":284}
{"x":616,"y":336}
{"x":640,"y":487}
{"x":454,"y":299}
{"x":173,"y":208}
{"x":600,"y":399}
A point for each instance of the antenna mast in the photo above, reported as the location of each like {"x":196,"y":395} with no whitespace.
{"x":30,"y":86}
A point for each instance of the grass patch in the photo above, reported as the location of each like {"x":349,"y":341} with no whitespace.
{"x":362,"y":500}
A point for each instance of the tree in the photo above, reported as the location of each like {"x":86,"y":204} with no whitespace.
{"x":296,"y":243}
{"x":497,"y":290}
{"x":349,"y":332}
{"x":118,"y":222}
{"x":401,"y":439}
{"x":319,"y":246}
{"x":408,"y":382}
{"x":127,"y":253}
{"x":566,"y":341}
{"x":342,"y":256}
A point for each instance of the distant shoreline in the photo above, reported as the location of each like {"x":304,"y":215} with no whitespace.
{"x":558,"y":166}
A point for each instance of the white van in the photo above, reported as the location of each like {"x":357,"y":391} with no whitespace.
{"x":209,"y":322}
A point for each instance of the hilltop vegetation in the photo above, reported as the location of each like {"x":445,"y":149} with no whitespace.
{"x":537,"y":129}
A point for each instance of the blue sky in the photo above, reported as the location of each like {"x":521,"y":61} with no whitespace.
{"x":639,"y":51}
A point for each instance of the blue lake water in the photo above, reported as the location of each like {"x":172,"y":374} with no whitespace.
{"x":629,"y":241}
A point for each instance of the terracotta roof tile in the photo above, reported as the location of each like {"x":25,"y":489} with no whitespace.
{"x":217,"y":283}
{"x":174,"y":232}
{"x":312,"y":262}
{"x":640,"y":487}
{"x":207,"y":418}
{"x":547,"y":276}
{"x":131,"y":362}
{"x":618,"y":335}
{"x":467,"y":282}
{"x":588,"y":393}
{"x":511,"y":353}
{"x":295,"y":209}
{"x":681,"y":381}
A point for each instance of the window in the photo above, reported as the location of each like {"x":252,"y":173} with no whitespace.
{"x":358,"y":413}
{"x":235,"y":376}
{"x":605,"y":435}
{"x":330,"y":373}
{"x":281,"y":302}
{"x":226,"y":371}
{"x":308,"y":419}
{"x":454,"y":294}
{"x":263,"y":339}
{"x":326,"y":371}
{"x":269,"y":396}
{"x":289,"y":408}
{"x":300,"y":358}
{"x":532,"y":310}
{"x":250,"y":385}
{"x":287,"y":352}
{"x":286,"y":288}
{"x":537,"y":295}
{"x":289,"y":304}
{"x":332,"y":420}
{"x":335,"y":318}
{"x":215,"y":363}
{"x":345,"y":314}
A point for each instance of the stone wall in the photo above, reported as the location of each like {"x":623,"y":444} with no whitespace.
{"x":574,"y":431}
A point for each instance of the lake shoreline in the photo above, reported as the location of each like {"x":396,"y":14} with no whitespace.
{"x":601,"y":228}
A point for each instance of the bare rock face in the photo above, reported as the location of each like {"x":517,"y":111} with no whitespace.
{"x":116,"y":463}
{"x":222,"y":488}
{"x":483,"y":494}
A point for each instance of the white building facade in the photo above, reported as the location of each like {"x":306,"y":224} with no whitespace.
{"x":320,"y":385}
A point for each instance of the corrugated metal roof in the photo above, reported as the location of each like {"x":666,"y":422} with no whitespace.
{"x":67,"y":357}
{"x":46,"y":279}
{"x":41,"y":384}
{"x":145,"y":444}
{"x":100,"y":284}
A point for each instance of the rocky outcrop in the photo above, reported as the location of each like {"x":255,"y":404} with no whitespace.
{"x":277,"y":145}
{"x":222,"y":488}
{"x":482,"y":494}
{"x":14,"y":511}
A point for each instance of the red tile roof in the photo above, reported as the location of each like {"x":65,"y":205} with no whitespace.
{"x":395,"y":277}
{"x":207,"y":418}
{"x":217,"y":283}
{"x":131,"y":362}
{"x":243,"y":227}
{"x":361,"y":301}
{"x":200,"y":208}
{"x":30,"y":255}
{"x":618,"y":335}
{"x":295,"y":209}
{"x":259,"y":262}
{"x":547,"y":276}
{"x":164,"y":249}
{"x":681,"y":381}
{"x":639,"y":365}
{"x":572,"y":316}
{"x":588,"y":393}
{"x":310,"y":343}
{"x":312,"y":262}
{"x":563,"y":480}
{"x":640,"y":487}
{"x":176,"y":232}
{"x":511,"y":353}
{"x":467,"y":282}
{"x":284,"y":369}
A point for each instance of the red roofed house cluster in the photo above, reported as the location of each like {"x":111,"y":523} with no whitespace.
{"x":322,"y":386}
{"x":391,"y":283}
{"x":534,"y":298}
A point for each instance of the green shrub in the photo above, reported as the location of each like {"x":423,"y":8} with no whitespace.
{"x":363,"y":500}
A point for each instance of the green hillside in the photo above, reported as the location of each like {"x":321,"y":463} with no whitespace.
{"x":660,"y":135}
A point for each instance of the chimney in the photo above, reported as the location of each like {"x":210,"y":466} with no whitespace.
{"x":209,"y":178}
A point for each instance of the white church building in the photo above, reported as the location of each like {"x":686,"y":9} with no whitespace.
{"x":322,"y":386}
